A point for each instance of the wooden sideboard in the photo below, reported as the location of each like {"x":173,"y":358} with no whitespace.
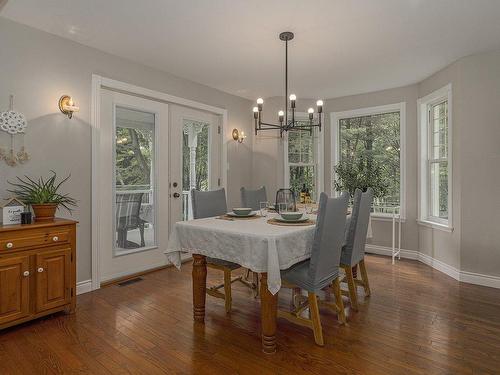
{"x":37,"y":270}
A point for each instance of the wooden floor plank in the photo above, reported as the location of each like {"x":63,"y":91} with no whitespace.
{"x":417,"y":321}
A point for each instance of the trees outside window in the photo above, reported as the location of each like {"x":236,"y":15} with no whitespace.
{"x":368,"y":152}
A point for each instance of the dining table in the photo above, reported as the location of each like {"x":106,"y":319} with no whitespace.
{"x":256,"y":243}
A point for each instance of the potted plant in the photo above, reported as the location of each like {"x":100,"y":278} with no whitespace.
{"x":43,"y":195}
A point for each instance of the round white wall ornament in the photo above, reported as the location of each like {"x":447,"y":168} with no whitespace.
{"x":13,"y":122}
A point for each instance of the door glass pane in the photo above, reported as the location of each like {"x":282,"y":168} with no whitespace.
{"x":195,"y":161}
{"x":134,"y":202}
{"x":439,"y":189}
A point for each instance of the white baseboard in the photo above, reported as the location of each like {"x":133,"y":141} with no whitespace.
{"x":463,"y":276}
{"x":83,"y":287}
{"x":387,"y":251}
{"x":480,"y":279}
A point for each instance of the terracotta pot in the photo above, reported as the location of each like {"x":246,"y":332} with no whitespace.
{"x":44,"y":212}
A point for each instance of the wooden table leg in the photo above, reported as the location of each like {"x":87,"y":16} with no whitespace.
{"x":199,"y":287}
{"x":268,"y":311}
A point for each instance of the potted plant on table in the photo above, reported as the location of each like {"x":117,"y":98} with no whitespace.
{"x":42,"y":195}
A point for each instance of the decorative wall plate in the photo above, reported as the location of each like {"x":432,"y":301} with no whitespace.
{"x":13,"y":122}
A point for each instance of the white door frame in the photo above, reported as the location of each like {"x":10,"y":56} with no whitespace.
{"x":98,"y":83}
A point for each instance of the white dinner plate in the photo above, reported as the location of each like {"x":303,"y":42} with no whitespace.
{"x":301,"y":220}
{"x":232,"y":214}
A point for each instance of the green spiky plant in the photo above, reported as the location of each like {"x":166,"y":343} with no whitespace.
{"x":42,"y":191}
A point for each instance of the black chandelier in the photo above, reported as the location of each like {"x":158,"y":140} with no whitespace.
{"x":286,"y":124}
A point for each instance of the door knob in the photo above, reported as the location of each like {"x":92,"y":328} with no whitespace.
{"x":176,"y":195}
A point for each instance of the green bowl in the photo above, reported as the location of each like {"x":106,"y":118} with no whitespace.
{"x":242,"y":211}
{"x":292,"y":216}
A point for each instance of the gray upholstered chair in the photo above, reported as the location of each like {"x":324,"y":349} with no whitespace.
{"x":210,"y":204}
{"x":353,"y":252}
{"x":322,"y":269}
{"x":252,"y":198}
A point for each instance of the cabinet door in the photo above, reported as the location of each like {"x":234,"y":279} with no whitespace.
{"x":53,"y":270}
{"x":14,"y":288}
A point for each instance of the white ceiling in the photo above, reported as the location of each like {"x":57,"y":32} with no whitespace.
{"x":341,"y":47}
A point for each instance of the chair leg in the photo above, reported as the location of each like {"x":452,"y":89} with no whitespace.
{"x":227,"y":290}
{"x":314,"y":310}
{"x":352,"y":288}
{"x":338,"y":301}
{"x":364,"y":277}
{"x":141,"y":230}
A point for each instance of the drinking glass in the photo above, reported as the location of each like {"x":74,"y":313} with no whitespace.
{"x":264,"y":207}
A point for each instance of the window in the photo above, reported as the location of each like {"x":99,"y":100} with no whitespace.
{"x":435,"y":157}
{"x":302,"y":160}
{"x":368,"y":151}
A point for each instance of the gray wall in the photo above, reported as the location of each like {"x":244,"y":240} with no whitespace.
{"x":38,"y":68}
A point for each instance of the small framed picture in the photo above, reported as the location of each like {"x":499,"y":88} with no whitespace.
{"x":11,"y":211}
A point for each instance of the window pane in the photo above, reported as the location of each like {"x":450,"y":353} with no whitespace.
{"x":370,"y":156}
{"x":134,"y":179}
{"x":439,"y":190}
{"x":300,"y":175}
{"x":302,"y":150}
{"x":439,"y":131}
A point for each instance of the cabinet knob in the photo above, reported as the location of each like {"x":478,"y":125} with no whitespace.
{"x":40,"y":270}
{"x":55,"y":238}
{"x":26,"y":273}
{"x":9,"y":245}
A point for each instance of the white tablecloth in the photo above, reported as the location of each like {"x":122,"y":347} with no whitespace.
{"x":253,"y":244}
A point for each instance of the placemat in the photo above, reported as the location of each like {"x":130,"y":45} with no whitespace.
{"x":232,"y":218}
{"x":283,"y":224}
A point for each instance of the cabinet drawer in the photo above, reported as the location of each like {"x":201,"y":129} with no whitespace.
{"x":33,"y":238}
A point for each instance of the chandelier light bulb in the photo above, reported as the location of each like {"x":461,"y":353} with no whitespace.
{"x":255,"y":109}
{"x":260,"y":101}
{"x":319,"y":103}
{"x":310,"y":110}
{"x":281,"y":113}
{"x":293,"y":97}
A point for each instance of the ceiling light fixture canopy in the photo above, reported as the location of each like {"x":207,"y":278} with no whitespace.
{"x":286,"y":124}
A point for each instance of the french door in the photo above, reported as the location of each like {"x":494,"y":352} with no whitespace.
{"x":150,"y":155}
{"x":133,"y":183}
{"x":195,"y":156}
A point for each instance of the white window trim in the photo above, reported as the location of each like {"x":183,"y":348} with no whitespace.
{"x":335,"y":118}
{"x":320,"y":180}
{"x":443,"y":93}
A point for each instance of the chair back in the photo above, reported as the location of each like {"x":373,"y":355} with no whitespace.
{"x":252,"y":198}
{"x":128,"y":209}
{"x":286,"y":196}
{"x":354,"y":250}
{"x":208,"y":203}
{"x":328,"y":239}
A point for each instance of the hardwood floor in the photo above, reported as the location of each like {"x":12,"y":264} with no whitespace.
{"x":417,"y":321}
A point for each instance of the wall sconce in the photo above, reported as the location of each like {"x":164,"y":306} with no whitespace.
{"x":238,"y":136}
{"x":67,"y":106}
